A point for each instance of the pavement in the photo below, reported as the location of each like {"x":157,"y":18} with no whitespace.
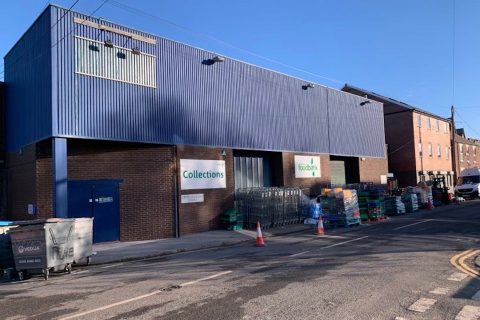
{"x":113,"y":252}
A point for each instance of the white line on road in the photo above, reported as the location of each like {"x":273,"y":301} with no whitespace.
{"x":344,"y":242}
{"x":476,"y":296}
{"x":469,"y":313}
{"x":298,"y":254}
{"x":422,"y":305}
{"x":206,"y":278}
{"x":441,"y":291}
{"x":400,"y":318}
{"x":112,"y":265}
{"x":457,"y":276}
{"x":77,"y":315}
{"x":412,"y":224}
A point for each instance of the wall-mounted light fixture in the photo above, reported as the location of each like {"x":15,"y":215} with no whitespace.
{"x":108,"y":43}
{"x":218,"y":59}
{"x":136,"y":50}
{"x":223,"y":153}
{"x":365,"y":102}
{"x":308,"y":86}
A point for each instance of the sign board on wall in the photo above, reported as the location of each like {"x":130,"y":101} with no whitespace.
{"x":192,"y":198}
{"x":202,"y":174}
{"x":307,"y":167}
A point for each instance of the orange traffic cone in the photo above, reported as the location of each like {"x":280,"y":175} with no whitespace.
{"x":320,"y":230}
{"x":259,"y":240}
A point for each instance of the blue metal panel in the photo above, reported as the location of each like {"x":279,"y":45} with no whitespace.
{"x":228,"y":104}
{"x":60,"y":177}
{"x":355,"y":129}
{"x":28,"y":86}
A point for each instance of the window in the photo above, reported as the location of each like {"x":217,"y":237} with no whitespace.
{"x":430,"y":151}
{"x":439,"y":151}
{"x":419,"y":120}
{"x":467,"y":153}
{"x":420,"y":149}
{"x":447,"y":153}
{"x":429,"y":125}
{"x":460,"y":154}
{"x":438,"y":125}
{"x":474,"y":151}
{"x":445,"y":128}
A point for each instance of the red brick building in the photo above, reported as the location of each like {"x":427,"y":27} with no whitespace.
{"x":467,"y":152}
{"x":419,"y":142}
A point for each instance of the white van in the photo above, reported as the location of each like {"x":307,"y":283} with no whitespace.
{"x":468,"y":184}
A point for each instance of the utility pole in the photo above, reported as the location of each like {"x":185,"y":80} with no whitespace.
{"x":454,"y":147}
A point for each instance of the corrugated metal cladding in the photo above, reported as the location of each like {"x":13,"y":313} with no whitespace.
{"x":355,"y":129}
{"x":28,"y":86}
{"x":94,"y":59}
{"x":226,"y":104}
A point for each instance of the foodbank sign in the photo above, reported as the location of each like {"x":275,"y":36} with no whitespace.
{"x":307,"y":167}
{"x":202,"y":174}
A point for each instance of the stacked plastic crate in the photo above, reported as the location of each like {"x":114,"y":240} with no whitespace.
{"x":394,"y":206}
{"x":376,"y":205}
{"x":363,"y":204}
{"x":232,"y":220}
{"x":410,"y":201}
{"x":340,"y":208}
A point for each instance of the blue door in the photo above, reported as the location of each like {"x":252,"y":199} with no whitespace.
{"x":98,"y":199}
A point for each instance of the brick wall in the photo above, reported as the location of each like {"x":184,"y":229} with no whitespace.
{"x":315,"y":184}
{"x":401,"y":147}
{"x":431,"y":136}
{"x":21,"y":183}
{"x":147,"y":191}
{"x":372,"y":168}
{"x":146,"y":194}
{"x":199,"y":217}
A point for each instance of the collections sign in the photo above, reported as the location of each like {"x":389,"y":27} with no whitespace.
{"x":307,"y":167}
{"x":202,"y":174}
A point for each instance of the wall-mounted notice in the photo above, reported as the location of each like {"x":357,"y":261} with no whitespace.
{"x":192,"y":198}
{"x":307,"y":167}
{"x":202,"y":174}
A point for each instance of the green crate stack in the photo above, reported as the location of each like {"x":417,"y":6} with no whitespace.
{"x":376,"y":204}
{"x":232,"y":220}
{"x":363,"y":204}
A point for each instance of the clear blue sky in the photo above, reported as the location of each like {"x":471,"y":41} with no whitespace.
{"x":399,"y":48}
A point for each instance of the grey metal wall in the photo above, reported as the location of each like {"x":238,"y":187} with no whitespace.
{"x":355,"y":129}
{"x":229,"y":104}
{"x":28,"y":86}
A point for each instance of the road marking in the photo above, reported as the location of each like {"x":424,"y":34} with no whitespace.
{"x":469,"y":313}
{"x":476,"y":296}
{"x":439,"y":291}
{"x":112,"y":265}
{"x":206,"y":278}
{"x":412,"y":224}
{"x":422,"y":305}
{"x":298,"y":254}
{"x":77,"y":315}
{"x":465,"y":267}
{"x":458,"y":261}
{"x":344,"y":242}
{"x":400,"y":318}
{"x":457,"y":276}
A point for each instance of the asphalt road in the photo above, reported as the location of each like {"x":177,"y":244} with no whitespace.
{"x":375,"y":271}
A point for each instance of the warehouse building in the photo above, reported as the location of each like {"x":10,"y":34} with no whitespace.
{"x":419,"y":142}
{"x":152,"y":137}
